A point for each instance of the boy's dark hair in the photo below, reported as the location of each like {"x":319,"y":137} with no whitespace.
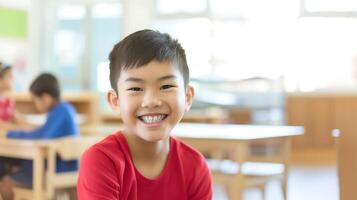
{"x":46,"y":84}
{"x":4,"y":69}
{"x":142,"y":47}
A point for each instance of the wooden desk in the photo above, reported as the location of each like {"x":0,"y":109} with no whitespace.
{"x":85,"y":103}
{"x":236,"y":138}
{"x":28,"y":149}
{"x":38,"y":151}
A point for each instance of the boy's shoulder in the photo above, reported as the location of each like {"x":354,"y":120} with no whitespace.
{"x":64,"y":107}
{"x":191,"y":161}
{"x":186,"y":152}
{"x":110,"y":147}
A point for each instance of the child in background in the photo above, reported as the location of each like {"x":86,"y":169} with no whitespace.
{"x":7,"y":106}
{"x":7,"y":113}
{"x":149,"y":77}
{"x":9,"y":117}
{"x":60,"y":122}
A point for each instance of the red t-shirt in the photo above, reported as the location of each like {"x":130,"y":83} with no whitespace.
{"x":107,"y":172}
{"x":7,"y":109}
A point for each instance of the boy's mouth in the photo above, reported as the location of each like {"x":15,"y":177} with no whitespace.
{"x":151,"y":119}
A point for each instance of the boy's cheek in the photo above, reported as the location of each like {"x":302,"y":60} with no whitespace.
{"x":124,"y":109}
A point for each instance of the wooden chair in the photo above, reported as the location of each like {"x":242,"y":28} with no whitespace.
{"x":257,"y":171}
{"x":256,"y":175}
{"x":69,"y":148}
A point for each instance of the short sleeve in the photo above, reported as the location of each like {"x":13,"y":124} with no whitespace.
{"x":98,"y":178}
{"x":201,"y":186}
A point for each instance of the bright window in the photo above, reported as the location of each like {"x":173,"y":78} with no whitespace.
{"x":235,"y":39}
{"x":180,"y":6}
{"x":331,"y":5}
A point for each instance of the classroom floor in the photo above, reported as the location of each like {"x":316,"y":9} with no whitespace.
{"x":312,"y":176}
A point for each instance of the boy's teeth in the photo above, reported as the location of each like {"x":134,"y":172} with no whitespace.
{"x":152,"y":119}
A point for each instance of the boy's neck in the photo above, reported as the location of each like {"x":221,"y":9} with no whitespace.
{"x":149,"y":158}
{"x":147,"y":151}
{"x":54,"y":104}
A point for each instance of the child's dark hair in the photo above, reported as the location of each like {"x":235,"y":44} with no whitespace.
{"x":142,"y":47}
{"x":46,"y":84}
{"x":4,"y":69}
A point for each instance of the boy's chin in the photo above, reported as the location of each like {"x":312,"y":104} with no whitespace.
{"x":153,"y":137}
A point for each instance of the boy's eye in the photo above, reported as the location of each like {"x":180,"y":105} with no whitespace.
{"x":165,"y":87}
{"x":135,"y":89}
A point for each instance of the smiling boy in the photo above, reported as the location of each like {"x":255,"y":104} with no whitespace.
{"x":149,"y":78}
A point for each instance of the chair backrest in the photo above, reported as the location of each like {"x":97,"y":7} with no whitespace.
{"x":68,"y":148}
{"x":71,"y":148}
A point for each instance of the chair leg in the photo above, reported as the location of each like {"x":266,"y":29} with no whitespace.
{"x":262,"y":190}
{"x":234,"y":192}
{"x":73,"y":193}
{"x":284,"y":189}
{"x":230,"y":191}
{"x":61,"y":194}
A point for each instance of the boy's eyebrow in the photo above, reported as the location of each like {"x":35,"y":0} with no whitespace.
{"x":132,"y":79}
{"x":167,"y":77}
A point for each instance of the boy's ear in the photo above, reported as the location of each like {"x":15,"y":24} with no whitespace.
{"x":190,"y":93}
{"x":113,"y":100}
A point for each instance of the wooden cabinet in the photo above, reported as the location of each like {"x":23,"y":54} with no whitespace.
{"x":346,"y":121}
{"x":320,"y":114}
{"x":316,"y":115}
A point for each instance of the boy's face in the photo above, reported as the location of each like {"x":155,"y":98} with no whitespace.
{"x":43,"y":103}
{"x":151,"y":100}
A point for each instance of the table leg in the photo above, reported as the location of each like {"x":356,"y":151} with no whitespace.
{"x":38,"y":174}
{"x":51,"y":171}
{"x":236,"y":191}
{"x":286,"y":155}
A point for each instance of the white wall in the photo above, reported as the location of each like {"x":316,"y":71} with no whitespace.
{"x":138,"y":14}
{"x":12,"y":48}
{"x":23,"y":52}
{"x":18,"y":4}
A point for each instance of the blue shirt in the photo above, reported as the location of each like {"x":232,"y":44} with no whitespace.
{"x":60,"y":122}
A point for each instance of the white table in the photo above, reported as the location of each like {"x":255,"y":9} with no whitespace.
{"x":217,"y":138}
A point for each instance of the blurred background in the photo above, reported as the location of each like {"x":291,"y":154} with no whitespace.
{"x":271,"y":62}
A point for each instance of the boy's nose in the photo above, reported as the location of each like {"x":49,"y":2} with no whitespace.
{"x":151,"y":99}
